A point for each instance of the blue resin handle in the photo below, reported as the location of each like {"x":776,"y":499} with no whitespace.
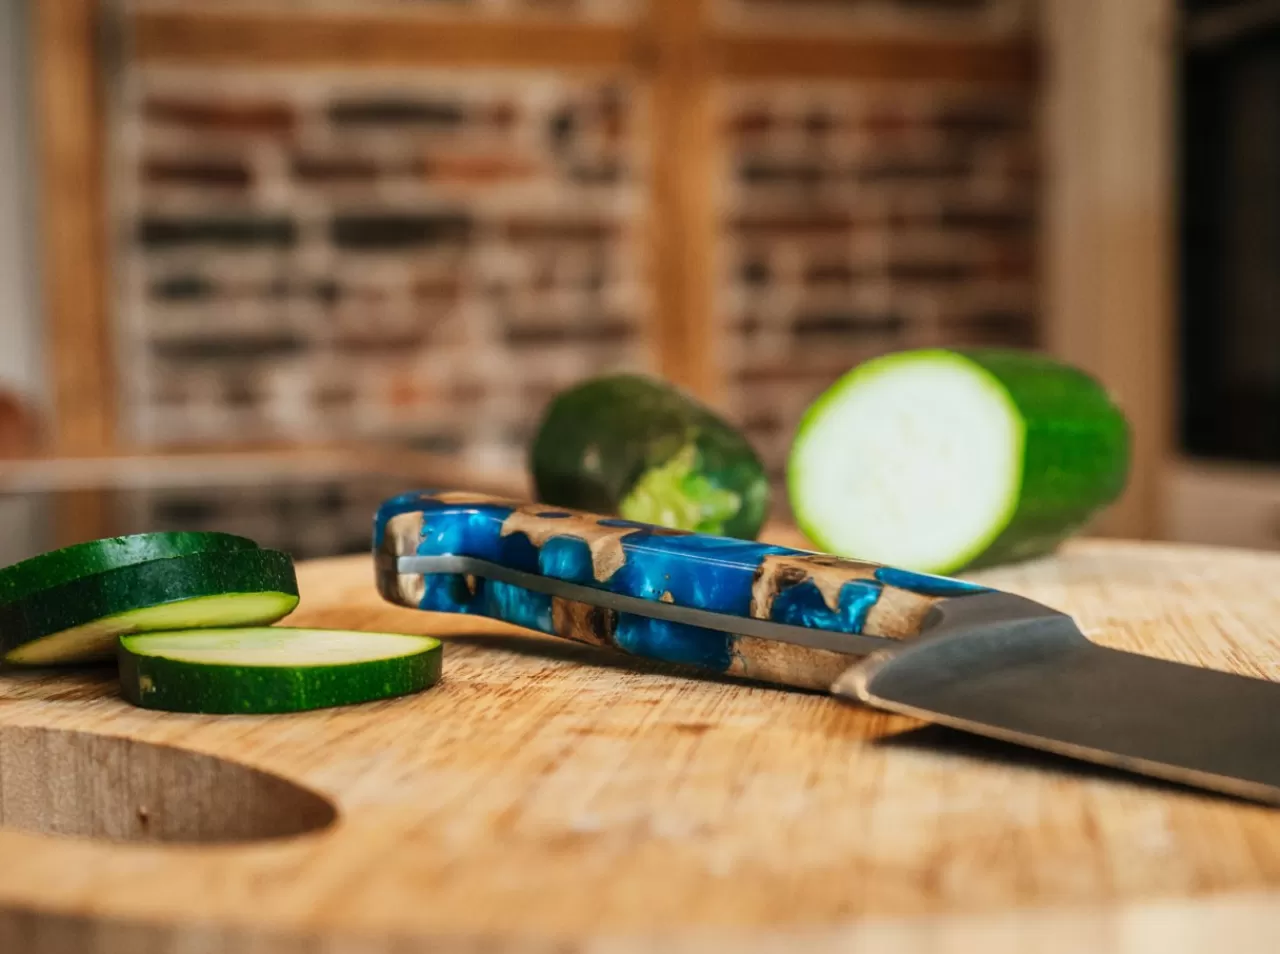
{"x":729,"y":576}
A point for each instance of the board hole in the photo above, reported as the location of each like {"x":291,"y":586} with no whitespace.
{"x":58,"y":782}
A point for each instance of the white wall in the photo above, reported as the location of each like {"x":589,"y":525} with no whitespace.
{"x":24,"y":519}
{"x":21,"y":360}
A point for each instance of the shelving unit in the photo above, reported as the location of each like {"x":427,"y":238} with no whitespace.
{"x":315,"y":500}
{"x":895,"y":202}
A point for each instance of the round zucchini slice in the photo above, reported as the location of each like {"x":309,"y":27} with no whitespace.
{"x":81,"y":620}
{"x":67,"y":564}
{"x":273,"y":669}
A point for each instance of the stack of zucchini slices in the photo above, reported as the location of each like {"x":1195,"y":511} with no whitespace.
{"x":188,"y":616}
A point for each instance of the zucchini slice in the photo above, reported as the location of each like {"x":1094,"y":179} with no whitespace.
{"x":940,"y":460}
{"x":272,"y":669}
{"x":79,"y":621}
{"x":97,"y":556}
{"x":634,"y":446}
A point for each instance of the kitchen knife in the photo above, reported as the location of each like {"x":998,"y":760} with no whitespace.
{"x":942,"y":650}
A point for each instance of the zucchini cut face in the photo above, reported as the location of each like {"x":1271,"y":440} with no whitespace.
{"x":96,"y":639}
{"x":273,"y":669}
{"x":939,"y":460}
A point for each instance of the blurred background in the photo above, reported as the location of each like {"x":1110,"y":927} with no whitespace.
{"x":265,"y":263}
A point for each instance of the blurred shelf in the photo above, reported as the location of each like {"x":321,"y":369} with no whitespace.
{"x":148,"y":468}
{"x":309,"y":499}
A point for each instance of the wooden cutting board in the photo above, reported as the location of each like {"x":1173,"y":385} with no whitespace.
{"x":546,"y":796}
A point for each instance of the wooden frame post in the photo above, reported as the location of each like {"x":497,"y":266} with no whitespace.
{"x":69,"y":111}
{"x":684,"y":216}
{"x":1110,"y":222}
{"x":73,"y":238}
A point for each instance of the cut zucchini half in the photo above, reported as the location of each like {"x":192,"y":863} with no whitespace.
{"x":97,"y":556}
{"x":940,"y":460}
{"x":80,"y":621}
{"x":273,"y":669}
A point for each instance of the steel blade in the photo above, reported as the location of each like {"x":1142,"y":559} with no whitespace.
{"x":1037,"y":681}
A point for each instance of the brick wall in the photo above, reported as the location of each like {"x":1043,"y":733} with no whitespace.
{"x":430,"y":256}
{"x":982,"y":15}
{"x":420,"y":257}
{"x":979,"y":17}
{"x":319,"y":516}
{"x":862,"y":220}
{"x":597,"y":10}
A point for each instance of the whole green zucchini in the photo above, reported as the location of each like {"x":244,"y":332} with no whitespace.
{"x":642,"y":449}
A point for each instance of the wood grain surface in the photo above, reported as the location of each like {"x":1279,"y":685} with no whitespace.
{"x":547,"y":796}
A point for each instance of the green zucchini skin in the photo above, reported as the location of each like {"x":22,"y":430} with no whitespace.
{"x":1072,"y":455}
{"x":1076,"y":455}
{"x":599,"y":439}
{"x":67,"y":564}
{"x":175,"y":685}
{"x":156,"y":582}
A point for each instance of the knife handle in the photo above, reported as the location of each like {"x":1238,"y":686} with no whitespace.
{"x":729,"y":576}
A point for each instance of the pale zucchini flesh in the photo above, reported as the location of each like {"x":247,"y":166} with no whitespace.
{"x":97,"y":640}
{"x":80,"y":620}
{"x":273,"y":669}
{"x":939,"y":460}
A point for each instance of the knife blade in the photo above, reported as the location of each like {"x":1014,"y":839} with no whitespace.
{"x":943,"y":650}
